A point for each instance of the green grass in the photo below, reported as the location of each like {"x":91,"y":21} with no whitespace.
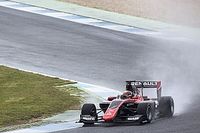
{"x":26,"y":97}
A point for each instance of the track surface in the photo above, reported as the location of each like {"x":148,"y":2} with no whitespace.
{"x":106,"y":58}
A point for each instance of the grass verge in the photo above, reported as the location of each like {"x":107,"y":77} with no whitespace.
{"x":26,"y":97}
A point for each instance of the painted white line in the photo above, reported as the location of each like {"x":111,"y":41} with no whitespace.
{"x":141,"y":32}
{"x":75,"y":18}
{"x":14,"y":6}
{"x":29,"y":9}
{"x":8,"y":3}
{"x":114,"y":26}
{"x":86,"y":20}
{"x":56,"y":14}
{"x":49,"y":128}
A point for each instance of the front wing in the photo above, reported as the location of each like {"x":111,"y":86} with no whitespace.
{"x":121,"y":119}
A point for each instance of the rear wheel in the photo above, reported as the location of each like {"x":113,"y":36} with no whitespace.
{"x":89,"y":110}
{"x":166,"y":106}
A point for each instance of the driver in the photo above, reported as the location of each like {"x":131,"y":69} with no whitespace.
{"x":126,"y":94}
{"x":135,"y":91}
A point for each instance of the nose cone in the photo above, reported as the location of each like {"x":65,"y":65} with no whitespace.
{"x":110,"y":114}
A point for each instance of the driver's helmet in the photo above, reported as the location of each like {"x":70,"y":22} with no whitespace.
{"x":126,"y":94}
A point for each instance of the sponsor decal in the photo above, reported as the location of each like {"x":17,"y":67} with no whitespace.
{"x":88,"y":118}
{"x":136,"y":83}
{"x":144,"y":83}
{"x":149,"y":83}
{"x":133,"y":118}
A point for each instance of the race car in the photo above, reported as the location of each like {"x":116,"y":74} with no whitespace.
{"x":130,"y":106}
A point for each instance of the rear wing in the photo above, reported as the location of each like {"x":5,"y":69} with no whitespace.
{"x":145,"y":84}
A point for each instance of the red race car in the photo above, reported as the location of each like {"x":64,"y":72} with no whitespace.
{"x":131,"y":106}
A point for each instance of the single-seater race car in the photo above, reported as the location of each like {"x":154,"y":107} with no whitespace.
{"x":130,"y":106}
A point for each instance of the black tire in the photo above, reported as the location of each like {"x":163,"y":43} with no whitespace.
{"x":149,"y":114}
{"x":166,"y":106}
{"x":147,"y":110}
{"x":89,"y":109}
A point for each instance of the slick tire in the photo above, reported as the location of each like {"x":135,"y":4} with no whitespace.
{"x":166,"y":106}
{"x":89,"y":109}
{"x":147,"y":110}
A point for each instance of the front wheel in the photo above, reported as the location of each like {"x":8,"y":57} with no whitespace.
{"x":147,"y":111}
{"x":149,"y":114}
{"x":88,"y":114}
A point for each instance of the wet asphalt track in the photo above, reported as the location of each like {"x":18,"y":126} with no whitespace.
{"x":106,"y":58}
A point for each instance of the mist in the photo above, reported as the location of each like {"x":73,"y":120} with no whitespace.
{"x":178,"y":67}
{"x":176,"y":61}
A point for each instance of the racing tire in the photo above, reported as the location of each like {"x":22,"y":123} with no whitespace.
{"x":149,"y":114}
{"x":166,"y":106}
{"x":89,"y":109}
{"x":147,"y":110}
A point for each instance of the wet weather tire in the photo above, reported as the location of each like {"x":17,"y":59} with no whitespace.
{"x":166,"y":106}
{"x":149,"y":114}
{"x":147,"y":110}
{"x":89,"y":109}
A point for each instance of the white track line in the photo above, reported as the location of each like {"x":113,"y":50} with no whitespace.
{"x":29,"y":9}
{"x":86,"y":20}
{"x":7,"y":3}
{"x":56,"y":14}
{"x":74,"y":18}
{"x":48,"y":128}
